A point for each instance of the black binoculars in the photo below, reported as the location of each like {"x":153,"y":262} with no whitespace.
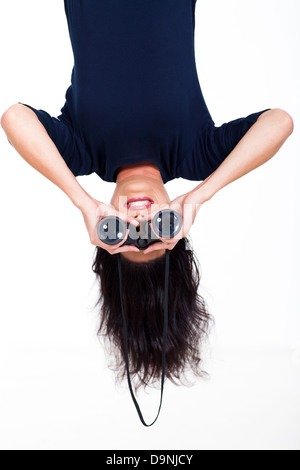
{"x":165,"y":224}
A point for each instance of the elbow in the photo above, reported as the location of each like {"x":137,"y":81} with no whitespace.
{"x":288,"y":124}
{"x":4,"y":120}
{"x":9,"y":117}
{"x":284,"y":121}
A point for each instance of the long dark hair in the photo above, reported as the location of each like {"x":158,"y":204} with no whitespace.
{"x":143,"y":291}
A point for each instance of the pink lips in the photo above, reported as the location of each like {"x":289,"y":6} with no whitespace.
{"x":141,"y":198}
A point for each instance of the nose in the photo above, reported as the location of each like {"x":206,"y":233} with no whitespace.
{"x":139,"y":214}
{"x":140,"y":218}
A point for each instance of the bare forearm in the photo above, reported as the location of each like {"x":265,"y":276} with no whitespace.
{"x":45,"y":158}
{"x":259,"y":145}
{"x":32,"y":142}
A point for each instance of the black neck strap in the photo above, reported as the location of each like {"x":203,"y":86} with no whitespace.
{"x":166,"y":320}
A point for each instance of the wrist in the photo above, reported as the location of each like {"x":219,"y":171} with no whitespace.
{"x":81,"y":199}
{"x":206,"y":190}
{"x":199,"y":195}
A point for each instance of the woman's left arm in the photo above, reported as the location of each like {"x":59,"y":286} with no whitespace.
{"x":259,"y":144}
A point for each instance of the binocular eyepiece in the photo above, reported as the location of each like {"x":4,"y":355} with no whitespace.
{"x":165,"y":224}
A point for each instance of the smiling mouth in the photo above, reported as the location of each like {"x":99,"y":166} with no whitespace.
{"x":139,"y":203}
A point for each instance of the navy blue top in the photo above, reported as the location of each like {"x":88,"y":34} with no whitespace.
{"x":135,"y":94}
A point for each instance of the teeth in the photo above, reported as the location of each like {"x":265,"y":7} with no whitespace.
{"x":138,"y":203}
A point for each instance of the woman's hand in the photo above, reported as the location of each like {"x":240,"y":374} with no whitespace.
{"x":93,"y":211}
{"x":188,"y":206}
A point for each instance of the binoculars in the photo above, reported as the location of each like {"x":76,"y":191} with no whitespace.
{"x":165,"y":224}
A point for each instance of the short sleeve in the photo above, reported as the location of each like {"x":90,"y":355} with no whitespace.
{"x":213,"y":145}
{"x":228,"y":135}
{"x":68,"y":142}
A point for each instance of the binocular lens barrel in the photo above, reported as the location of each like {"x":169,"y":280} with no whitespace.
{"x":165,"y":224}
{"x":112,"y":230}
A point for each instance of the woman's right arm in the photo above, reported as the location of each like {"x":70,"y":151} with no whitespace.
{"x":31,"y":140}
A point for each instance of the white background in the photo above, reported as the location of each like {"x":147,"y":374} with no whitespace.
{"x":56,"y":391}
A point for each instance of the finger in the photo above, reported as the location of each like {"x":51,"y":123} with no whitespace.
{"x":119,"y":248}
{"x":174,"y":207}
{"x":179,"y":235}
{"x":127,"y":248}
{"x":128,"y":218}
{"x":155,"y":247}
{"x":114,"y":250}
{"x":173,"y":239}
{"x":123,"y":216}
{"x":155,"y":208}
{"x":111,"y":248}
{"x":103,"y":210}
